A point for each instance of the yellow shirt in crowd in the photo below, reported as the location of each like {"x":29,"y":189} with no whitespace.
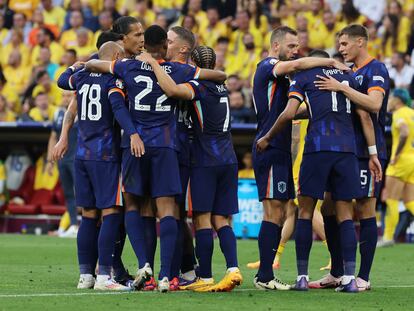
{"x":69,"y":38}
{"x":56,"y":52}
{"x":37,"y":116}
{"x":403,"y":115}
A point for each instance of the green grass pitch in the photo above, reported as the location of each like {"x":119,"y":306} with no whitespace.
{"x":40,"y":273}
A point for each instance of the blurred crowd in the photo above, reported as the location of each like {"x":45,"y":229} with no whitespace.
{"x":40,"y":38}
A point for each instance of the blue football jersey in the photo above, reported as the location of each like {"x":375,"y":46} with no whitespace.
{"x":184,"y":130}
{"x":153,"y":113}
{"x":270,"y":96}
{"x":99,"y":135}
{"x":372,"y":76}
{"x":212,"y":145}
{"x":330,"y":113}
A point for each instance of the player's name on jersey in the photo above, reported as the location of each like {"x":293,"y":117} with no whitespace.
{"x":330,"y":72}
{"x":145,"y":66}
{"x":95,"y":75}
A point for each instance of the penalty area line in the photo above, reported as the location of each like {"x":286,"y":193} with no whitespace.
{"x":143,"y":292}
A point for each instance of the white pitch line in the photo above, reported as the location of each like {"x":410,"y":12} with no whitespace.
{"x":92,"y":293}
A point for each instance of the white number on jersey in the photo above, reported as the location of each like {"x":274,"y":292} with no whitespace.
{"x":91,"y":106}
{"x":225,"y":100}
{"x":148,"y":89}
{"x":335,"y":100}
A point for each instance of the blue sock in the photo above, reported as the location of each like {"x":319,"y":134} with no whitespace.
{"x":228,"y":246}
{"x":150,"y":230}
{"x":303,"y":244}
{"x":188,"y":258}
{"x":168,"y":237}
{"x":367,"y":244}
{"x":334,"y":245}
{"x":204,"y":247}
{"x":86,"y":242}
{"x":117,"y":263}
{"x":178,"y":252}
{"x":349,"y":246}
{"x":106,"y":242}
{"x":135,"y":229}
{"x":269,"y":238}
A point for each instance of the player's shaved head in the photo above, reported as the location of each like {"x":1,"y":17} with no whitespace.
{"x":110,"y":51}
{"x":318,"y":53}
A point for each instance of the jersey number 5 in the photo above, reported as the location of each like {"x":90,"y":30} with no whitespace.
{"x":91,"y":105}
{"x":148,"y":89}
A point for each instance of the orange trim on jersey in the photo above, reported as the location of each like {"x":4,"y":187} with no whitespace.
{"x":190,"y":201}
{"x":296,"y":94}
{"x":355,"y":68}
{"x":118,"y":201}
{"x":160,"y":61}
{"x":272,"y":93}
{"x":112,"y":66}
{"x":268,"y":186}
{"x":115,"y":89}
{"x":197,"y":73}
{"x":198,"y":115}
{"x":190,"y":87}
{"x":376,"y":88}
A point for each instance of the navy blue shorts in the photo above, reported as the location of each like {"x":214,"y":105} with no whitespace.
{"x":369,"y":188}
{"x":336,"y":172}
{"x":214,"y":189}
{"x":273,"y":173}
{"x":155,"y":174}
{"x":185,"y":178}
{"x":97,"y":184}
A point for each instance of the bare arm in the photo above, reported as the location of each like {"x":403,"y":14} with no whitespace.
{"x":101,"y":66}
{"x":284,"y":118}
{"x":51,"y":143}
{"x":402,"y":139}
{"x":212,"y":75}
{"x":288,"y":67}
{"x":167,"y":84}
{"x":302,"y":113}
{"x":371,"y":102}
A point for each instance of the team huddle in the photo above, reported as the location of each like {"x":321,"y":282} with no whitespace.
{"x":176,"y":151}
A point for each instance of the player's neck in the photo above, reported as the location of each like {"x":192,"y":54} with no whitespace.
{"x":273,"y":54}
{"x":362,"y":58}
{"x":179,"y":59}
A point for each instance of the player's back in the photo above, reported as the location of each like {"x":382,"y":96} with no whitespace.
{"x":151,"y":110}
{"x":270,"y":96}
{"x":211,"y":119}
{"x":99,"y":134}
{"x":406,"y":115}
{"x":330,"y":113}
{"x":372,"y":76}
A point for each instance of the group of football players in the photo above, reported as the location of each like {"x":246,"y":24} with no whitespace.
{"x":160,"y":169}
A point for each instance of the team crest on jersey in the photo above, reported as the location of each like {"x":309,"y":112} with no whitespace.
{"x":273,"y":61}
{"x":359,"y":79}
{"x":281,"y":186}
{"x":119,"y":84}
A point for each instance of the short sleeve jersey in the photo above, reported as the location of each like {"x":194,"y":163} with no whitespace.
{"x":372,"y":76}
{"x":270,"y":96}
{"x":99,"y":134}
{"x":152,"y":112}
{"x":330,"y":113}
{"x":212,"y":145}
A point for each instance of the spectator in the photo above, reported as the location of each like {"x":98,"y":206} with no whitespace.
{"x":234,"y":84}
{"x":403,"y":27}
{"x":17,"y":74}
{"x":25,"y":7}
{"x":83,"y":48}
{"x":20,"y":22}
{"x":315,"y":23}
{"x":286,"y":15}
{"x":189,"y":22}
{"x":45,"y":85}
{"x":389,"y":29}
{"x":375,"y":42}
{"x":46,"y":64}
{"x":400,"y":72}
{"x":69,"y":37}
{"x":16,"y":43}
{"x":88,"y":9}
{"x":349,"y":14}
{"x":38,"y":22}
{"x":193,"y":8}
{"x":258,"y":21}
{"x":7,"y":14}
{"x":247,"y":171}
{"x":214,"y":30}
{"x":161,"y":20}
{"x":238,"y":111}
{"x":43,"y":111}
{"x":236,"y":39}
{"x":67,"y":60}
{"x":109,"y":5}
{"x":6,"y":115}
{"x":3,"y":30}
{"x":105,"y":24}
{"x":46,"y":39}
{"x":329,"y":30}
{"x":53,"y":14}
{"x":142,"y":12}
{"x":274,"y":23}
{"x":304,"y":48}
{"x":301,"y":23}
{"x":9,"y":93}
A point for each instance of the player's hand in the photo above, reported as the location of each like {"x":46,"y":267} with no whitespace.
{"x":59,"y":149}
{"x":328,"y":83}
{"x":262,"y":144}
{"x":375,"y":167}
{"x":78,"y":64}
{"x":49,"y":167}
{"x":338,"y":65}
{"x":145,"y":57}
{"x":137,"y":146}
{"x":394,"y":160}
